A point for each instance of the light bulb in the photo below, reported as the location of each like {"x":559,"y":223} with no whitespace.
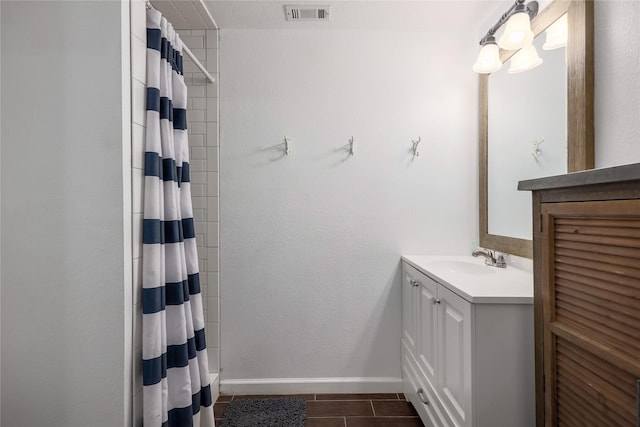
{"x":517,"y":32}
{"x":525,"y":59}
{"x":488,"y":59}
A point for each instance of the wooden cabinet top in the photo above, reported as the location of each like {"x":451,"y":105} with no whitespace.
{"x":615,"y":174}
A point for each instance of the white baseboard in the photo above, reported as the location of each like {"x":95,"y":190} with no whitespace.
{"x":312,"y":385}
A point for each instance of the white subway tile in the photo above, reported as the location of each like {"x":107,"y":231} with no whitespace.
{"x":212,"y":184}
{"x":212,"y":159}
{"x":213,"y":355}
{"x":204,"y":280}
{"x":195,"y":116}
{"x":137,"y":146}
{"x":201,"y":53}
{"x":137,"y":371}
{"x":136,"y":231}
{"x":212,"y":259}
{"x":198,"y":128}
{"x":212,"y":336}
{"x":212,"y":58}
{"x":188,"y":66}
{"x":212,"y":131}
{"x":138,"y":103}
{"x":197,"y":91}
{"x":213,"y":234}
{"x":214,"y":280}
{"x":212,"y":109}
{"x":199,"y":103}
{"x":137,"y":280}
{"x":201,"y":227}
{"x":212,"y":302}
{"x":198,"y":190}
{"x":198,"y":202}
{"x":212,"y":39}
{"x":199,"y":153}
{"x":212,"y":209}
{"x":137,"y":326}
{"x":198,"y":215}
{"x":138,"y":59}
{"x":196,"y":140}
{"x":199,"y":177}
{"x":212,"y":88}
{"x":137,"y":190}
{"x":193,"y":42}
{"x":139,"y":19}
{"x":198,"y":165}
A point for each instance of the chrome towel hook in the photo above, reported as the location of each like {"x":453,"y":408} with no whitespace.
{"x":535,"y":148}
{"x":351,"y":141}
{"x":414,"y":147}
{"x":287,"y":151}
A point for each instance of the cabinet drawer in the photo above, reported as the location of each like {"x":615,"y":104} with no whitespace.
{"x":417,"y":391}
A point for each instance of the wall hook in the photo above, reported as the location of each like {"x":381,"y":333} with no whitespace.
{"x":351,"y":141}
{"x":287,"y":151}
{"x":535,"y":147}
{"x":414,"y":147}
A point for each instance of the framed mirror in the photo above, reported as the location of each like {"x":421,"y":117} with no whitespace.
{"x":578,"y":125}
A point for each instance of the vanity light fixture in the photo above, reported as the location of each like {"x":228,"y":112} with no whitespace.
{"x":516,"y":35}
{"x":525,"y":59}
{"x":557,"y":34}
{"x":489,"y":58}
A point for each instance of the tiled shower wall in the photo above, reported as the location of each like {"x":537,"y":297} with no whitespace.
{"x":202,"y":123}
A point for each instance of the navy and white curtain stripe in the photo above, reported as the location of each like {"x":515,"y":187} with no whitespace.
{"x":177,"y":391}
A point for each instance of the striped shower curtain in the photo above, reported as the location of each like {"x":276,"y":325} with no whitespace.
{"x":177,"y":391}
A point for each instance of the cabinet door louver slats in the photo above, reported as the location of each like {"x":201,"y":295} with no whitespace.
{"x":592,"y":312}
{"x":605,"y":394}
{"x":603,"y":321}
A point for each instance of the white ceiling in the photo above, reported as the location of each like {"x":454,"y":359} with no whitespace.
{"x":345,"y":14}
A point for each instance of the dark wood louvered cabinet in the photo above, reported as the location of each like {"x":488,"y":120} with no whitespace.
{"x":586,"y":256}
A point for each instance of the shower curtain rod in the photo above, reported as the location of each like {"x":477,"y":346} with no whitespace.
{"x":190,"y":54}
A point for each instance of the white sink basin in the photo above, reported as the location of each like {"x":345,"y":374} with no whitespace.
{"x":475,"y":281}
{"x":464,"y":266}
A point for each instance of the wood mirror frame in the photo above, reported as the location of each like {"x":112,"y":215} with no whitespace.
{"x":580,"y":152}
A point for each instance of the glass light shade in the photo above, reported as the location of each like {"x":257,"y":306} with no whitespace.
{"x":488,"y":59}
{"x":557,"y":34}
{"x":525,"y":59}
{"x":517,"y":32}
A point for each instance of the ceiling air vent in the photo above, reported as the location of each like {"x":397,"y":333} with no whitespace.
{"x":307,"y":13}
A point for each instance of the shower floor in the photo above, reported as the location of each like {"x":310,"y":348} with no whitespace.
{"x":345,"y":410}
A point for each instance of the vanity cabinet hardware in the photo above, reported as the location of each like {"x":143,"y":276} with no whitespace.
{"x":415,"y":283}
{"x":422,"y":396}
{"x":436,"y":301}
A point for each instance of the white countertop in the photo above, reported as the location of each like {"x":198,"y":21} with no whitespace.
{"x":475,"y":281}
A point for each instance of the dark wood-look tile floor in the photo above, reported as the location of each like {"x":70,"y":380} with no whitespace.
{"x":345,"y":410}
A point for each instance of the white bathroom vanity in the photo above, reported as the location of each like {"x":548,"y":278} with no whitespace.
{"x":467,"y":342}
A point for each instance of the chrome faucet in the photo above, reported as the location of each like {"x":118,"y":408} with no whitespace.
{"x":490,"y":258}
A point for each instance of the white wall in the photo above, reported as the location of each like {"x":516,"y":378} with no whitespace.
{"x":617,"y":83}
{"x":63,"y":214}
{"x":311,"y":242}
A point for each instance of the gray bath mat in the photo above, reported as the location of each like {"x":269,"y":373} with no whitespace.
{"x":282,"y":412}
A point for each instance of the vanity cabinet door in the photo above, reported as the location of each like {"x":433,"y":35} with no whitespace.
{"x":454,"y":358}
{"x":427,"y":353}
{"x":410,"y":284}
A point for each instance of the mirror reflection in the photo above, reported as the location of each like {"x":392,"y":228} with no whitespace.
{"x":527,"y":132}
